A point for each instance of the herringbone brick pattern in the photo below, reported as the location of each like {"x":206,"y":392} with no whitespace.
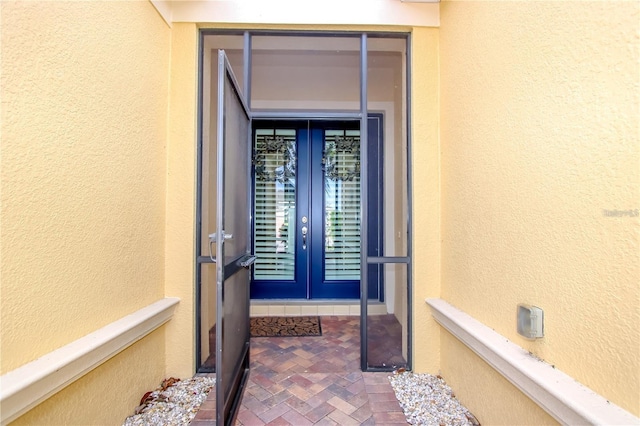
{"x":312,"y":381}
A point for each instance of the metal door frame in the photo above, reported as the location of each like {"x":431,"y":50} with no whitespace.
{"x":362,"y":116}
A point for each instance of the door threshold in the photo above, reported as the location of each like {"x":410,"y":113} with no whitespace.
{"x":302,"y":307}
{"x":305,"y":301}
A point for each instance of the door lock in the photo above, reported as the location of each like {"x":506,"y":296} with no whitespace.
{"x":304,"y":237}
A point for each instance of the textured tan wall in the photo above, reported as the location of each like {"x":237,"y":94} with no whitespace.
{"x":84,"y":103}
{"x":426,"y":196}
{"x":540,"y":105}
{"x":181,"y":183}
{"x":108,"y":394}
{"x":497,"y":401}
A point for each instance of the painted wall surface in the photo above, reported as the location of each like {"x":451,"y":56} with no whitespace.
{"x":181,"y":182}
{"x":498,"y":402}
{"x":425,"y":159}
{"x":540,"y":106}
{"x":83,"y":163}
{"x":108,"y":394}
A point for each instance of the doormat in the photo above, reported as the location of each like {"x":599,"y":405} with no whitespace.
{"x":285,"y":326}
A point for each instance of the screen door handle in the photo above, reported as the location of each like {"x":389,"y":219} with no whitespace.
{"x":212,"y":240}
{"x":214,"y":237}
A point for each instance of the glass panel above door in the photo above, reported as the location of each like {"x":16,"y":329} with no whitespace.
{"x":305,"y":73}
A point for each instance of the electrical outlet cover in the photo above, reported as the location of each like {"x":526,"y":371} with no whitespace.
{"x":530,"y":321}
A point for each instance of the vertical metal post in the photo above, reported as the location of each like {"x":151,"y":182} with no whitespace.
{"x":249,"y":147}
{"x":220,"y":385}
{"x":409,"y":195}
{"x":364,"y":200}
{"x":198,"y":352}
{"x":246,"y":72}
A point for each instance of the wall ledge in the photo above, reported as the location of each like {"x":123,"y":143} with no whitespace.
{"x":558,"y":394}
{"x":27,"y":386}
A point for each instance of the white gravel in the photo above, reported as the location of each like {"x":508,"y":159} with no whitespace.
{"x":427,"y":400}
{"x":172,"y":405}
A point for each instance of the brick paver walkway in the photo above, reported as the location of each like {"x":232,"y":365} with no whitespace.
{"x":312,"y":381}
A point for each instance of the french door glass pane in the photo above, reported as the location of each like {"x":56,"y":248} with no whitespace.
{"x":341,"y":164}
{"x":274,"y":163}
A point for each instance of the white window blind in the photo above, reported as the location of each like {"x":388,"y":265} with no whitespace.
{"x":275,"y":185}
{"x":341,"y":162}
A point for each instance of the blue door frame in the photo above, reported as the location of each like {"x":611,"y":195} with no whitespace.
{"x":309,"y":278}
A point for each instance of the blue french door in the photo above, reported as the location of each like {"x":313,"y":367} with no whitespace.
{"x":306,"y":177}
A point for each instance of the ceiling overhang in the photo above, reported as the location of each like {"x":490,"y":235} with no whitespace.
{"x":407,"y":13}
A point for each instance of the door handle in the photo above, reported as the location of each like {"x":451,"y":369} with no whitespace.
{"x":304,"y":237}
{"x":213,"y":237}
{"x":212,"y":240}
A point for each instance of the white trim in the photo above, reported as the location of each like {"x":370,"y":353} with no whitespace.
{"x":27,"y":386}
{"x":560,"y":395}
{"x":294,"y":12}
{"x":165,"y":9}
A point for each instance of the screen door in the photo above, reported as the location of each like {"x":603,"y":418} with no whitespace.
{"x":232,"y":240}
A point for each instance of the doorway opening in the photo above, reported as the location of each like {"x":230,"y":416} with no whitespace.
{"x":329,"y":184}
{"x":306,"y":178}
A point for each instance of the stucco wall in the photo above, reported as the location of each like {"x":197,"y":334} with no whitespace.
{"x":84,"y":104}
{"x":181,"y":183}
{"x":108,"y":394}
{"x":425,"y":159}
{"x":540,"y":104}
{"x":497,"y":401}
